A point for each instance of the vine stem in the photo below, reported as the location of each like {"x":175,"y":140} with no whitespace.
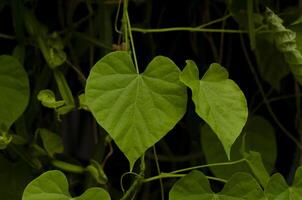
{"x":132,"y":43}
{"x":208,"y":165}
{"x":169,"y":175}
{"x":159,"y":172}
{"x":175,"y":174}
{"x":190,"y":29}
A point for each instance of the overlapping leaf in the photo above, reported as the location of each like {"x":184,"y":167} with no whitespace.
{"x":14,"y":87}
{"x":53,"y":185}
{"x":258,"y":136}
{"x":195,"y":186}
{"x":137,"y":110}
{"x":278,"y":189}
{"x":218,"y":100}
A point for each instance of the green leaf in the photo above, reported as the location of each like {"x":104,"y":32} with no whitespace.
{"x":195,"y":186}
{"x":254,"y":160}
{"x":14,"y":87}
{"x":53,"y":185}
{"x":52,"y":142}
{"x":258,"y":135}
{"x":97,"y":172}
{"x":13,"y":179}
{"x":277,"y":188}
{"x":218,"y":101}
{"x":137,"y":110}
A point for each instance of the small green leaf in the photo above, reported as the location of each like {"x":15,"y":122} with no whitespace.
{"x":258,"y":135}
{"x":277,"y":188}
{"x":218,"y":101}
{"x":137,"y":110}
{"x":195,"y":186}
{"x":48,"y":99}
{"x":5,"y":140}
{"x":53,"y":185}
{"x":52,"y":142}
{"x":14,"y":87}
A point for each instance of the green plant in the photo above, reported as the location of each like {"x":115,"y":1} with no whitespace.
{"x":136,"y":108}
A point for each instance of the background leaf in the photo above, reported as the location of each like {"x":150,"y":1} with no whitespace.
{"x":53,"y":185}
{"x":277,"y":187}
{"x":14,"y":176}
{"x":259,"y":137}
{"x":137,"y":110}
{"x":14,"y":87}
{"x":219,"y":101}
{"x":195,"y":186}
{"x":51,"y":141}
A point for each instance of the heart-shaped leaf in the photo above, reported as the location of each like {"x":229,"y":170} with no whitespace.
{"x":195,"y":186}
{"x":137,"y":110}
{"x":52,"y":142}
{"x":14,"y":87}
{"x":218,"y":100}
{"x":258,"y":135}
{"x":277,"y":187}
{"x":53,"y":185}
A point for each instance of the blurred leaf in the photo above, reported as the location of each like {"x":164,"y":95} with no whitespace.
{"x":195,"y":186}
{"x":277,"y":187}
{"x":258,"y":136}
{"x":137,"y":110}
{"x":53,"y":185}
{"x":14,"y":87}
{"x":218,"y":100}
{"x":52,"y":142}
{"x":13,"y":179}
{"x":271,"y":70}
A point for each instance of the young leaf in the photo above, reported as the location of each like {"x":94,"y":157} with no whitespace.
{"x":258,"y":135}
{"x":195,"y":186}
{"x":48,"y":99}
{"x":14,"y":87}
{"x":51,"y":142}
{"x":54,"y":185}
{"x":218,"y":101}
{"x":277,"y":187}
{"x":137,"y":110}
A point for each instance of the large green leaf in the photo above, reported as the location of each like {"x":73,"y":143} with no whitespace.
{"x":137,"y":110}
{"x":195,"y":186}
{"x":218,"y":100}
{"x":14,"y":176}
{"x":277,"y":188}
{"x":53,"y":185}
{"x":14,"y":87}
{"x":259,"y":136}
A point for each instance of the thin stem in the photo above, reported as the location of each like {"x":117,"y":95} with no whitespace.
{"x":222,"y":19}
{"x":92,"y":40}
{"x":190,"y":29}
{"x":116,"y":17}
{"x":159,"y":172}
{"x":268,"y":106}
{"x":169,"y":175}
{"x":216,"y":179}
{"x":68,"y":167}
{"x":208,"y":165}
{"x":132,"y":43}
{"x":77,"y":70}
{"x":8,"y":37}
